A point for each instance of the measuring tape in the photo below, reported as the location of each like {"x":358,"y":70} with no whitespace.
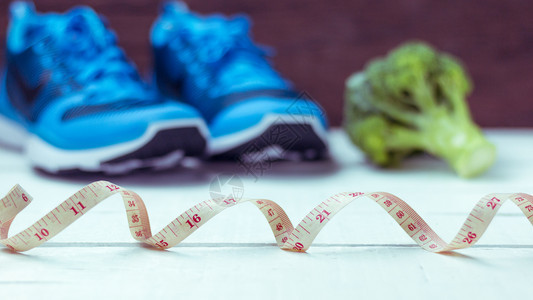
{"x":287,"y":236}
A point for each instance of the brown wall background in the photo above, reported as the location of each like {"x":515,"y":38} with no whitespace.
{"x":320,"y":42}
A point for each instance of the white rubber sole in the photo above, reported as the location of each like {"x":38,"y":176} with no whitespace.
{"x":12,"y":135}
{"x":52,"y":159}
{"x":230,"y":141}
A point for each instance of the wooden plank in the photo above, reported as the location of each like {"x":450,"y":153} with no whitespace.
{"x":361,"y":253}
{"x":265,"y":273}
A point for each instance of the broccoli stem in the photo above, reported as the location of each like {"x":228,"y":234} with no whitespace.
{"x":398,"y":112}
{"x":459,"y":106}
{"x":402,"y":138}
{"x":457,"y":140}
{"x":423,"y":96}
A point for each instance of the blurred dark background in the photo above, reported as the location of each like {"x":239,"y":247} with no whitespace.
{"x":321,"y":42}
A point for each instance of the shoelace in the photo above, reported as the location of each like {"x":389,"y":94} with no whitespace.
{"x":217,"y":55}
{"x":92,"y":59}
{"x":98,"y":57}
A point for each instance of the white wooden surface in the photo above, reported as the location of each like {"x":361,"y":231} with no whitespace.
{"x":362,"y":253}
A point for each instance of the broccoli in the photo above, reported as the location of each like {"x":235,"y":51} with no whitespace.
{"x":413,"y":100}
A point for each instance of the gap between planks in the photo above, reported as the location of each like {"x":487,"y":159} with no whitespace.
{"x":258,"y":245}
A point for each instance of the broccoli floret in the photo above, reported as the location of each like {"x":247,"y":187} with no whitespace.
{"x":413,"y":100}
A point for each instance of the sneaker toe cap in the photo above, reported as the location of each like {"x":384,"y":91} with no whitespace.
{"x":251,"y":112}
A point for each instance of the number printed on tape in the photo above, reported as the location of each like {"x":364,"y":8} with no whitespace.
{"x":288,"y":237}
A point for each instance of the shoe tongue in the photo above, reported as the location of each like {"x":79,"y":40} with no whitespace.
{"x":85,"y":30}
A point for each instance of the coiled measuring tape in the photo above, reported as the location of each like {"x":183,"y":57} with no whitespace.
{"x":287,"y":236}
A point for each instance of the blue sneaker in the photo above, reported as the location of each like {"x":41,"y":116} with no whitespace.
{"x":72,"y":101}
{"x":211,"y":63}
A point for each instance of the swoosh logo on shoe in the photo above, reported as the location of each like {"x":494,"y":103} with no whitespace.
{"x":27,"y":94}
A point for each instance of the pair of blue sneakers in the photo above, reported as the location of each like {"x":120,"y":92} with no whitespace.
{"x":72,"y":100}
